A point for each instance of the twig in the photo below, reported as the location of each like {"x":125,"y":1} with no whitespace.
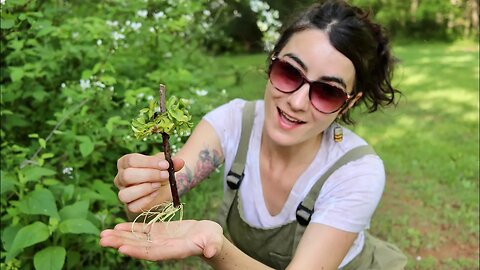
{"x":30,"y":160}
{"x":166,"y":152}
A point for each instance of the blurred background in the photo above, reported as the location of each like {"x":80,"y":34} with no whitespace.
{"x":75,"y":73}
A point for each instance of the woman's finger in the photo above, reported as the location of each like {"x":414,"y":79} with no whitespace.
{"x":145,"y":203}
{"x":136,"y":160}
{"x":134,"y":176}
{"x":143,"y":161}
{"x":132,"y":193}
{"x":116,"y":239}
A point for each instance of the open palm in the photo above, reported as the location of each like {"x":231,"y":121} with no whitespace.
{"x":165,"y":241}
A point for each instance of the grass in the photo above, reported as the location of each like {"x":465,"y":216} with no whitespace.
{"x":429,"y":144}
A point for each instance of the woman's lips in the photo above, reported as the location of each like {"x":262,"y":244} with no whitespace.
{"x":287,"y":121}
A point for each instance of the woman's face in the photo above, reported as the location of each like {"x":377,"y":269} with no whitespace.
{"x":290,"y":118}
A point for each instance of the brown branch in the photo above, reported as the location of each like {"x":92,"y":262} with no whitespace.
{"x":167,"y":153}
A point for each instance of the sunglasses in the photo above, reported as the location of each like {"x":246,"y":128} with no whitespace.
{"x":324,"y":97}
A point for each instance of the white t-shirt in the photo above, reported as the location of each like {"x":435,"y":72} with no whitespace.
{"x":347,"y":199}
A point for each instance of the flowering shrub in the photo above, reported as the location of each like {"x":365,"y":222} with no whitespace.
{"x":73,"y":77}
{"x":268,"y":22}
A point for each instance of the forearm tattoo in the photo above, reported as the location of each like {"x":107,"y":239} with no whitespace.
{"x":208,"y":161}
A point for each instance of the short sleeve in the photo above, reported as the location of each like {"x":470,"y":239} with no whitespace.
{"x":226,"y":120}
{"x":351,"y":194}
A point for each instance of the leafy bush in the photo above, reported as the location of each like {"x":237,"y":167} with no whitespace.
{"x":74,"y":74}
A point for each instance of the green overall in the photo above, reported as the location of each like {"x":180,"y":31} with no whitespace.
{"x":275,"y":247}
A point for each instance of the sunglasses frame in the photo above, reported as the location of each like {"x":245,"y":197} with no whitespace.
{"x":305,"y":80}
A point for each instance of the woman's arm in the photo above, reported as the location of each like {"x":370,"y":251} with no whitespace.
{"x":202,"y":154}
{"x":143,"y":180}
{"x":322,"y":247}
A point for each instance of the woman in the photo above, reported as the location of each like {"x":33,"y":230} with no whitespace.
{"x":303,"y":195}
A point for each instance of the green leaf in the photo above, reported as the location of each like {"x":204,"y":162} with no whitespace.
{"x":7,"y":23}
{"x":33,"y":173}
{"x":47,"y":155}
{"x":45,"y":31}
{"x":8,"y":235}
{"x":28,"y":236}
{"x":86,"y":147}
{"x":16,"y":74}
{"x":76,"y":210}
{"x":50,"y":258}
{"x":113,"y":122}
{"x":78,"y":226}
{"x":86,"y":74}
{"x":8,"y":182}
{"x":42,"y":143}
{"x":39,"y":202}
{"x":106,"y":191}
{"x":108,"y":80}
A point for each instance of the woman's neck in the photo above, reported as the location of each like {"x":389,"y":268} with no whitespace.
{"x":302,"y":153}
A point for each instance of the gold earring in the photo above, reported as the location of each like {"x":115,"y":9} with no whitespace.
{"x":337,"y":133}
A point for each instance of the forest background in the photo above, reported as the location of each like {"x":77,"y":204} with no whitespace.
{"x":75,"y":73}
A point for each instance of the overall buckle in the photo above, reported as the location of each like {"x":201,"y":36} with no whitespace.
{"x":234,"y":180}
{"x":303,"y":214}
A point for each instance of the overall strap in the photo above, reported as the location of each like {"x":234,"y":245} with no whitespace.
{"x":306,"y":207}
{"x":235,"y":175}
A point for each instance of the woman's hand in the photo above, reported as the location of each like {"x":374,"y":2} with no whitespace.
{"x":166,"y":241}
{"x":143,"y":180}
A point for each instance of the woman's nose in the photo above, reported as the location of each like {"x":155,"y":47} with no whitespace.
{"x":299,"y":100}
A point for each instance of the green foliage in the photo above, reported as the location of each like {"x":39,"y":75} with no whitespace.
{"x":72,"y":71}
{"x":175,"y":120}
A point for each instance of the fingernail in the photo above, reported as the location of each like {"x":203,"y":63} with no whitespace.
{"x":163,"y":164}
{"x":164,"y":174}
{"x":156,"y":185}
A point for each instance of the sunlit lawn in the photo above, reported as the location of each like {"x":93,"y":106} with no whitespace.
{"x":429,"y":144}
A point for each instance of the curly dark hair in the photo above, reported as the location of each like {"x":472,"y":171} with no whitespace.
{"x":353,"y":33}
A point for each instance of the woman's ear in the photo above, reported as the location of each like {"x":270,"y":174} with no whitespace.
{"x":351,"y":102}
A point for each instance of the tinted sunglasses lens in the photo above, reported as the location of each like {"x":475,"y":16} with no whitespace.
{"x":284,"y":76}
{"x":326,"y":98}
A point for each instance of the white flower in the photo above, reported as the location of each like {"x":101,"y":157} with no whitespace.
{"x":67,"y":170}
{"x":149,"y":97}
{"x":151,"y":29}
{"x":263,"y":26}
{"x":207,"y":12}
{"x":84,"y":84}
{"x":142,"y":13}
{"x":99,"y":42}
{"x":201,"y":92}
{"x":136,"y":25}
{"x":63,"y":85}
{"x":158,"y":15}
{"x":237,"y":14}
{"x":112,"y":23}
{"x":217,"y":4}
{"x":117,"y":35}
{"x":187,"y":17}
{"x":99,"y":84}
